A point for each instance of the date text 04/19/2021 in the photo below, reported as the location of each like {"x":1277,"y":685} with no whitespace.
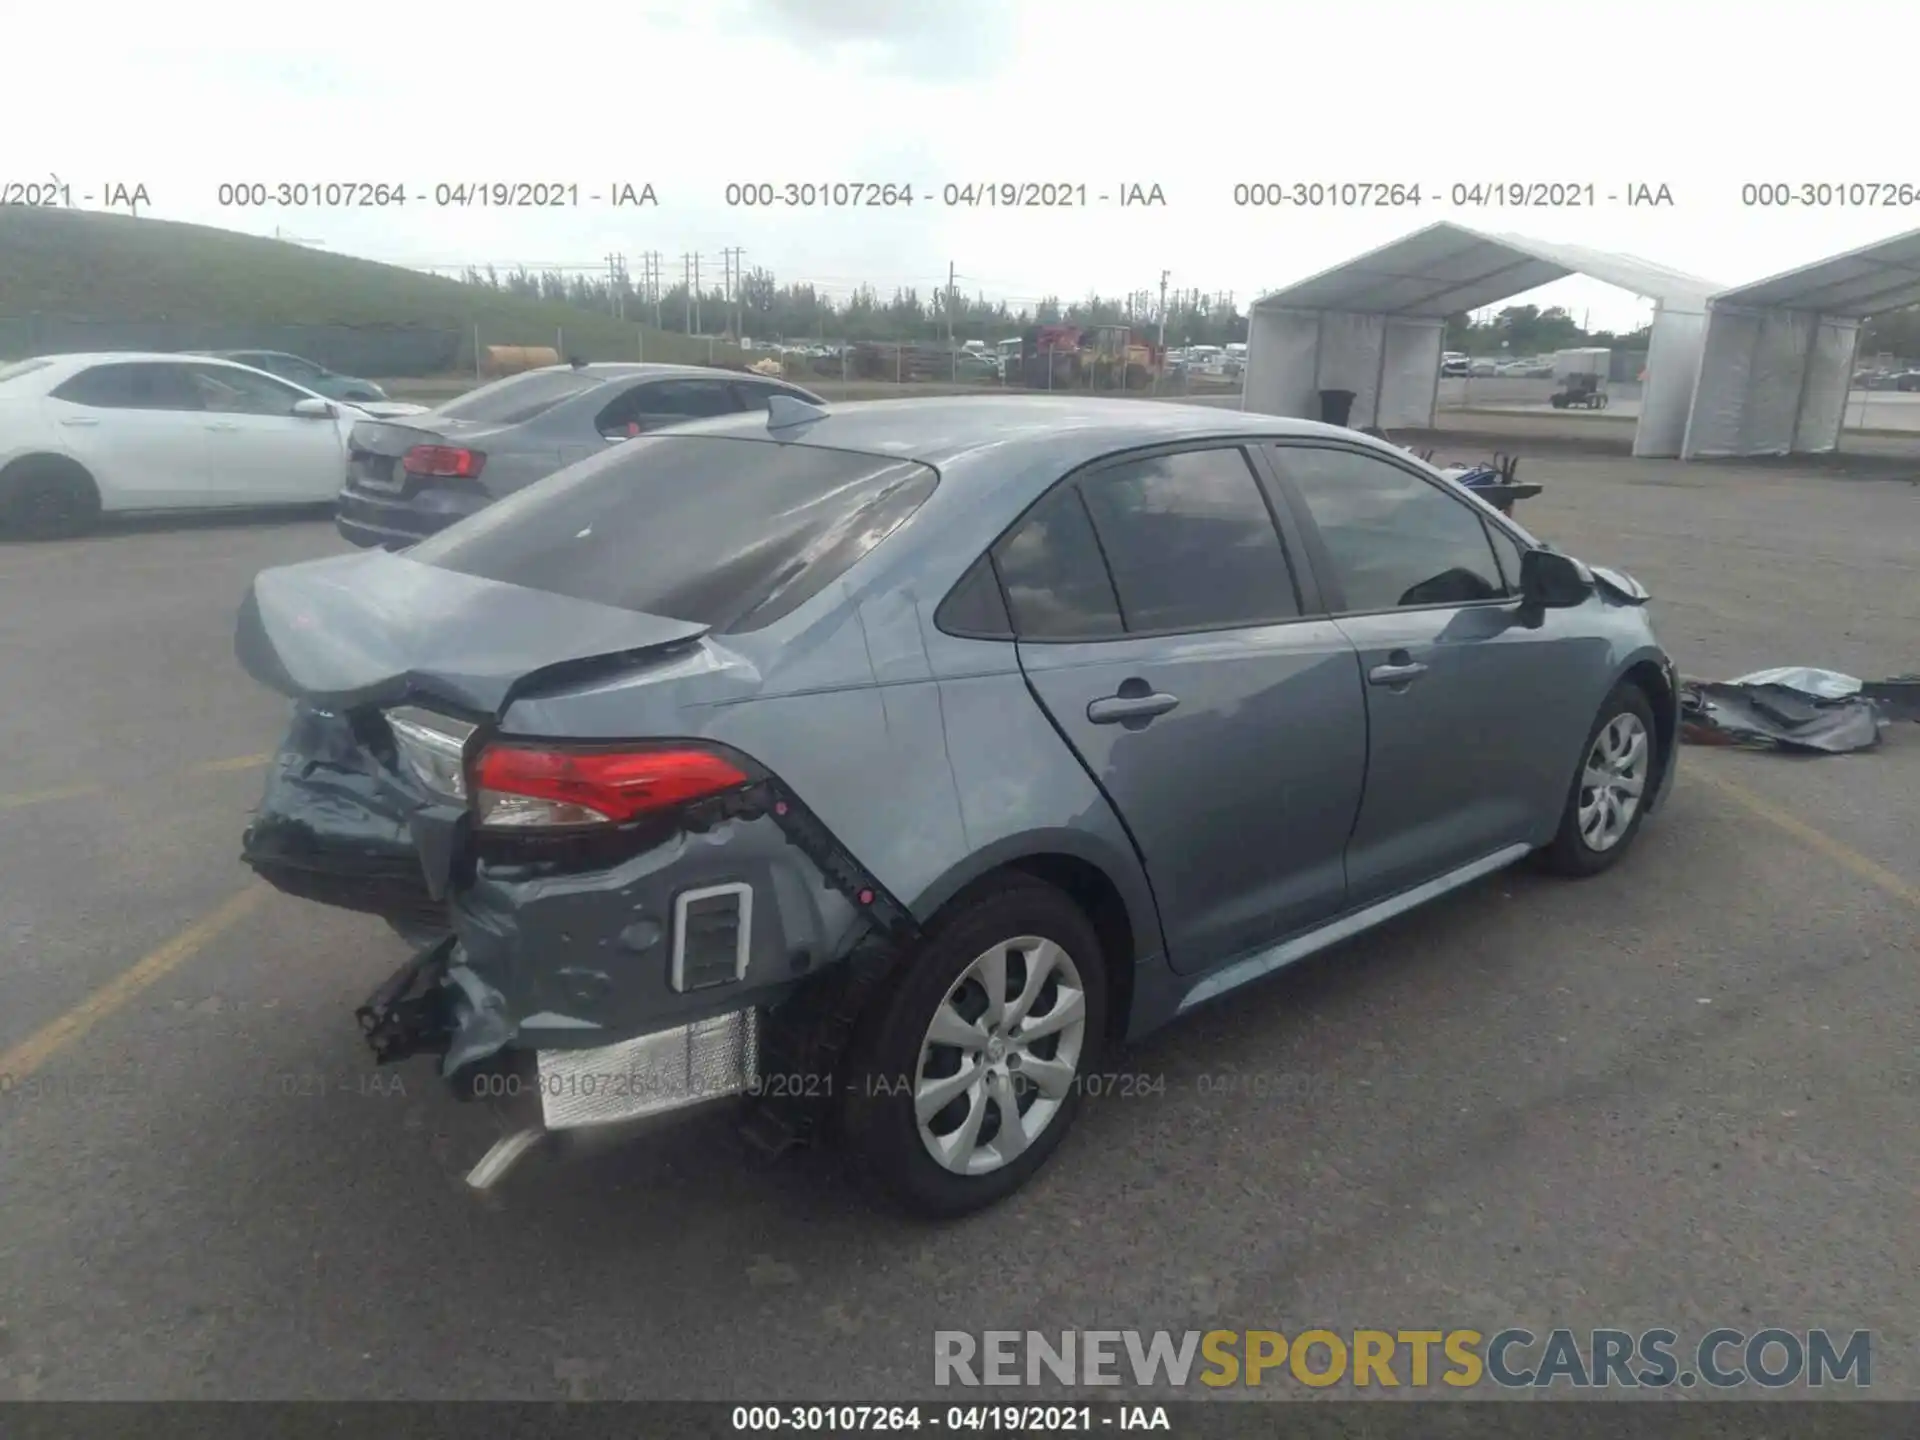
{"x":332,"y":194}
{"x":1459,"y":195}
{"x":959,"y":1419}
{"x":829,"y":194}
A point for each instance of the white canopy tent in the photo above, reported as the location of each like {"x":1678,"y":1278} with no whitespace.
{"x":1777,"y":362}
{"x":1375,"y":326}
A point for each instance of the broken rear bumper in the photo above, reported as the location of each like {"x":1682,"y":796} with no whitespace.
{"x":436,"y":1005}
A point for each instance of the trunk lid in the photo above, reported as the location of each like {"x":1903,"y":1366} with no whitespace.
{"x":376,"y":629}
{"x":375,"y":448}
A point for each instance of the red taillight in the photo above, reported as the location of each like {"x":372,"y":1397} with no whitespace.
{"x":522,"y":787}
{"x":444,"y":462}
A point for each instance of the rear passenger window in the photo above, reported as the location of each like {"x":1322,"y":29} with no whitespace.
{"x":1190,"y":543}
{"x":1056,"y":583}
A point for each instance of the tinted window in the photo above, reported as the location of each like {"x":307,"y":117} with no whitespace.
{"x":1507,"y":551}
{"x":133,"y":386}
{"x":687,"y":400}
{"x":1394,"y":539}
{"x":1056,"y":583}
{"x":520,"y":397}
{"x":1190,"y":542}
{"x":975,"y":606}
{"x":755,"y":397}
{"x":718,"y":531}
{"x":227,"y":391}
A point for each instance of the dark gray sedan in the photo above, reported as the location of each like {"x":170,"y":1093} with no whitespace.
{"x":409,"y":479}
{"x":891,"y":766}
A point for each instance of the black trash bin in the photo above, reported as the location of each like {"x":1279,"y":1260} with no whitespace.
{"x":1336,"y":406}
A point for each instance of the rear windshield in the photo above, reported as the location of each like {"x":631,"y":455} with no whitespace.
{"x":519,"y":397}
{"x":720,"y":531}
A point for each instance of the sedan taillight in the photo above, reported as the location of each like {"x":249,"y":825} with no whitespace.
{"x":443,"y":462}
{"x":541,"y":787}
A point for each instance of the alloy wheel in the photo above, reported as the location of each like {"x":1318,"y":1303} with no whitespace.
{"x":1001,"y":1055}
{"x":1613,"y":781}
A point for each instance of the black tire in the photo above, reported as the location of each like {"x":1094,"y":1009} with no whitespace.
{"x":47,"y":497}
{"x":1570,"y":853}
{"x":878,"y":1122}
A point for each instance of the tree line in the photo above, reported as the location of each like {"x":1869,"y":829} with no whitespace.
{"x":761,"y":308}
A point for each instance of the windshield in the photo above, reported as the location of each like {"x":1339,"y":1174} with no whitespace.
{"x":720,"y":531}
{"x":519,"y":397}
{"x":21,"y":367}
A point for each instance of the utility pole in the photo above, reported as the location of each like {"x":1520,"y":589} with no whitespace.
{"x":953,"y":360}
{"x":654,"y":287}
{"x":686,"y":262}
{"x":733,"y":287}
{"x":697,"y":326}
{"x":616,"y":299}
{"x":1165,"y":275}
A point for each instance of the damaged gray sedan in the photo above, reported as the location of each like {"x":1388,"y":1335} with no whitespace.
{"x":882,"y":770}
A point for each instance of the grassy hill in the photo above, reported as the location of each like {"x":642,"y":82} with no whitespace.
{"x":76,"y":279}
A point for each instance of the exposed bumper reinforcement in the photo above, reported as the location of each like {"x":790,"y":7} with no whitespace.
{"x":650,"y":1074}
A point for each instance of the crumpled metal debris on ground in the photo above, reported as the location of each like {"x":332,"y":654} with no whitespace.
{"x":1796,"y":708}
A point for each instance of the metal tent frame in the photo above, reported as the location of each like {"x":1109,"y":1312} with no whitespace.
{"x":1776,"y":363}
{"x":1375,"y":326}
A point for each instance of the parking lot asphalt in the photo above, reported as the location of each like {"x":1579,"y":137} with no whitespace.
{"x":1682,"y":1093}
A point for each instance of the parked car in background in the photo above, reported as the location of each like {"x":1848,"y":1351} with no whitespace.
{"x":83,"y":435}
{"x":309,"y":374}
{"x":1907,"y":380}
{"x":1483,"y":367}
{"x":1455,"y":363}
{"x":405,"y":481}
{"x":921,"y":752}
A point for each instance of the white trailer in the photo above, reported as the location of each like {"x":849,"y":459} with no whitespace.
{"x":1588,"y":360}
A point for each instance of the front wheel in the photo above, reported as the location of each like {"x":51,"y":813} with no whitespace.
{"x":970,"y":1066}
{"x":47,"y":497}
{"x":1609,"y":796}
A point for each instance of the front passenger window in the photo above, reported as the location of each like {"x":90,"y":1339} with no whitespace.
{"x":1396,"y":540}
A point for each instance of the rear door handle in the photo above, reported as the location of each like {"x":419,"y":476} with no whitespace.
{"x":223,"y":425}
{"x":1396,"y":674}
{"x":1115,"y":709}
{"x":81,"y":422}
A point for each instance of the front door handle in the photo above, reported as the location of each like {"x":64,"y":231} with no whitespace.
{"x":223,"y":425}
{"x":1391,"y":674}
{"x":81,"y":421}
{"x":1117,"y":709}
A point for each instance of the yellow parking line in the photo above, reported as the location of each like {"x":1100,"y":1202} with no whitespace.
{"x":75,"y":792}
{"x":1845,"y":856}
{"x":41,"y":797}
{"x":46,"y":1042}
{"x":239,"y":762}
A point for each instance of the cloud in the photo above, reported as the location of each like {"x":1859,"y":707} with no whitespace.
{"x":909,"y":39}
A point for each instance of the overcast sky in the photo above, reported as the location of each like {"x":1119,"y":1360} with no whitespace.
{"x":1194,"y":97}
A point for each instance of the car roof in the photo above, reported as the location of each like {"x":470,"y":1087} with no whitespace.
{"x":133,"y":357}
{"x":1056,"y":431}
{"x":633,"y":369}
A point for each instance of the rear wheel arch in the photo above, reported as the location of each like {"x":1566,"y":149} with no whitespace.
{"x":1128,"y":929}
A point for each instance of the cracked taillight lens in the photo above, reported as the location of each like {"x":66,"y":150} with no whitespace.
{"x":432,"y":748}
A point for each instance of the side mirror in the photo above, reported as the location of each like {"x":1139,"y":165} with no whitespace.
{"x":1553,"y":581}
{"x":314,"y":408}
